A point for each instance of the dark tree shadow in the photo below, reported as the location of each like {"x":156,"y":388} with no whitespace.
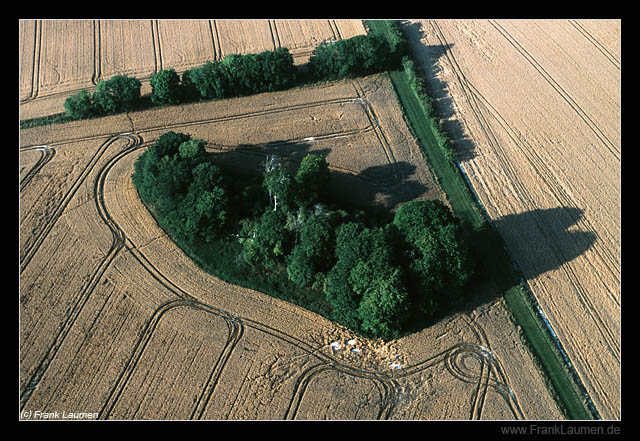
{"x":380,"y":187}
{"x":427,"y":57}
{"x":551,"y":237}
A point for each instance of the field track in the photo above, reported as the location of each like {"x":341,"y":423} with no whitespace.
{"x":139,"y":324}
{"x":540,"y":103}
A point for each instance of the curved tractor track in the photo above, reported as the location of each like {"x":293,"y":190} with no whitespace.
{"x":47,"y":153}
{"x":455,"y":358}
{"x":116,"y":245}
{"x":468,"y":363}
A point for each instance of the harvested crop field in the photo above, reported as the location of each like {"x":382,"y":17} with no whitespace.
{"x":536,"y":108}
{"x":119,"y":323}
{"x":60,"y":57}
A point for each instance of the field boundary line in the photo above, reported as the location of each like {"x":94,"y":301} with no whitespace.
{"x":215,"y":40}
{"x":335,"y":30}
{"x":157,"y":50}
{"x":97,"y":53}
{"x":275,"y":37}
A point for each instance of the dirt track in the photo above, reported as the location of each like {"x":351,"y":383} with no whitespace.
{"x":535,"y":106}
{"x":116,"y":320}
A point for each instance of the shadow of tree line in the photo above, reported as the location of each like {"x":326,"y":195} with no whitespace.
{"x":428,"y":56}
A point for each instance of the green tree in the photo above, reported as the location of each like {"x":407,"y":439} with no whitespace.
{"x":203,"y":214}
{"x":314,"y":252}
{"x":144,"y":176}
{"x":207,"y":202}
{"x":300,"y":267}
{"x":438,"y":259}
{"x":210,"y":81}
{"x":270,"y":241}
{"x":189,"y":91}
{"x":384,"y":304}
{"x":165,"y":87}
{"x":311,"y":179}
{"x":186,"y":191}
{"x":172,"y":181}
{"x":117,"y":94}
{"x":366,"y":287}
{"x":278,"y":69}
{"x":79,"y":105}
{"x":352,"y":57}
{"x":249,"y":78}
{"x":279,"y":183}
{"x":168,"y":143}
{"x":192,"y":150}
{"x":343,"y":300}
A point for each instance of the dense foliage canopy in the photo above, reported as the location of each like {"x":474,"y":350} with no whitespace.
{"x":184,"y":189}
{"x":374,"y":275}
{"x":352,"y":57}
{"x":119,"y":93}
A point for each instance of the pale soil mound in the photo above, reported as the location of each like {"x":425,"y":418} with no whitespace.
{"x":117,"y":322}
{"x":536,"y":108}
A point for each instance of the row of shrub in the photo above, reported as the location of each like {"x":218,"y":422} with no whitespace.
{"x":353,"y":57}
{"x":375,"y":276}
{"x":392,"y":32}
{"x":417,"y":84}
{"x":117,"y":94}
{"x":237,"y":75}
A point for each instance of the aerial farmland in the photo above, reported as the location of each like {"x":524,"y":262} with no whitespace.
{"x":118,"y":321}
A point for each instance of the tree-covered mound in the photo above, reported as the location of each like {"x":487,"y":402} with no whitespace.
{"x":376,"y":275}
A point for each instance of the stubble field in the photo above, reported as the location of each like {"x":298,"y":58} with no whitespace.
{"x":116,"y":321}
{"x":535,"y":106}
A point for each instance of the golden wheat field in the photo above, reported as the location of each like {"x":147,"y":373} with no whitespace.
{"x":117,"y":323}
{"x":536,"y":103}
{"x":60,"y":57}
